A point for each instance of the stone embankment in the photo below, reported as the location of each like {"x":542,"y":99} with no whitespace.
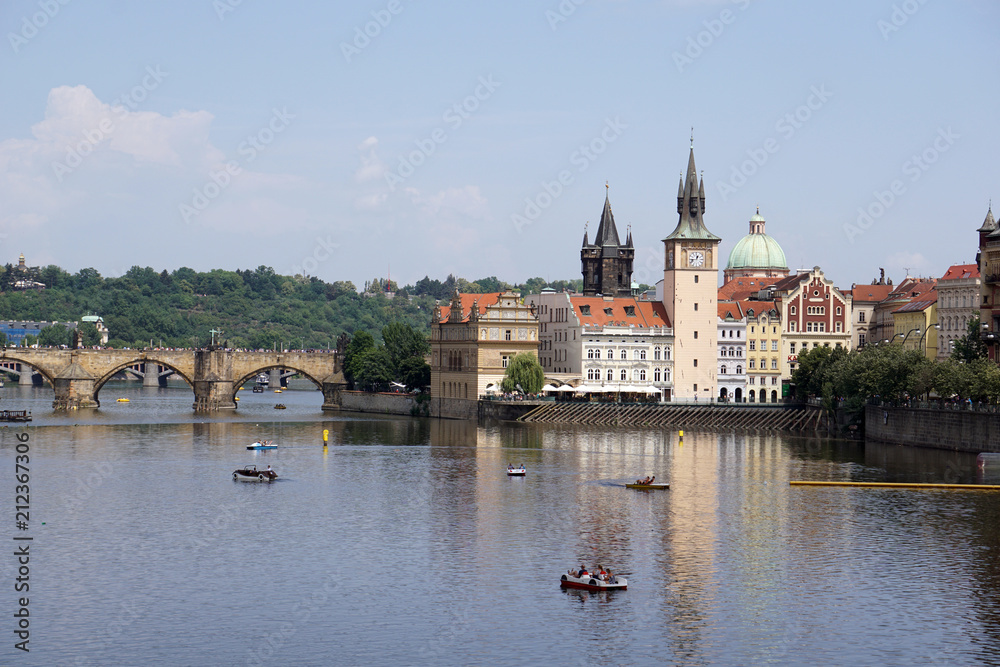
{"x":956,"y":427}
{"x":793,"y":417}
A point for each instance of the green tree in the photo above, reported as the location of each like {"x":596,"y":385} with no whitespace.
{"x":373,"y":369}
{"x":415,"y":373}
{"x":28,"y":341}
{"x":361,"y":342}
{"x":402,"y":343}
{"x":524,"y":370}
{"x":970,"y":346}
{"x":54,"y":336}
{"x":88,"y":330}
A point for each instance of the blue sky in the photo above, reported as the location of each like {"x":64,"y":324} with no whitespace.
{"x":477,"y":138}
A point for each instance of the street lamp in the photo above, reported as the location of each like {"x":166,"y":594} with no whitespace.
{"x":908,"y":335}
{"x":929,"y":326}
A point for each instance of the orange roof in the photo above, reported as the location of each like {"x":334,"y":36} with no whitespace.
{"x":870,"y":293}
{"x":959,"y":271}
{"x":620,"y":311}
{"x":758,"y":307}
{"x":484,"y":300}
{"x":740,"y":288}
{"x":730,"y":309}
{"x":920,"y":303}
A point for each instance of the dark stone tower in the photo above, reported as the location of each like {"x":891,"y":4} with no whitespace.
{"x":607,"y":264}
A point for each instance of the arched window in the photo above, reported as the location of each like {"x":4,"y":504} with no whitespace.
{"x":624,"y":375}
{"x":739,"y":370}
{"x":642,"y":374}
{"x":774,"y":396}
{"x":722,"y":371}
{"x":610,"y":375}
{"x":656,"y":353}
{"x":624,"y":355}
{"x":666,"y":353}
{"x":590,"y":353}
{"x":611,"y":354}
{"x":750,"y":396}
{"x":642,"y":355}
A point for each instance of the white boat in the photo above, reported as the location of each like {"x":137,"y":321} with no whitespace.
{"x":593,"y":582}
{"x":262,"y":444}
{"x":516,"y":472}
{"x":251,"y":474}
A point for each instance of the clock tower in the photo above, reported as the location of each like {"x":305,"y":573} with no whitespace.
{"x":691,"y":291}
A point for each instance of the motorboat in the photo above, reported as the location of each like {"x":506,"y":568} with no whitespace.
{"x":263,"y":444}
{"x":593,"y":582}
{"x":251,"y":474}
{"x":280,"y":406}
{"x":516,"y":472}
{"x":647,"y":487}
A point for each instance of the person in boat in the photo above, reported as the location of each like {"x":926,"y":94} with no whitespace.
{"x":583,"y":572}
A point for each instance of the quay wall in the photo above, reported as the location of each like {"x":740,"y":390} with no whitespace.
{"x":939,"y":428}
{"x":386,"y":404}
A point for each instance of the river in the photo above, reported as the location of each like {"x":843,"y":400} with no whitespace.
{"x":404,"y":542}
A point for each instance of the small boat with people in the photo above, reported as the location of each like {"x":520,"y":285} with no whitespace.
{"x":280,"y":406}
{"x":263,"y":444}
{"x":251,"y":474}
{"x":648,"y":483}
{"x":516,"y":472}
{"x":599,"y":580}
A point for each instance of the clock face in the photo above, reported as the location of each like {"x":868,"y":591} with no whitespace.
{"x":696,"y":258}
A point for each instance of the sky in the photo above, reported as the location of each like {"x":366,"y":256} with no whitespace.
{"x":354,"y":140}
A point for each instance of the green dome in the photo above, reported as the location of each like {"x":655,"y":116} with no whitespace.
{"x":757,"y":251}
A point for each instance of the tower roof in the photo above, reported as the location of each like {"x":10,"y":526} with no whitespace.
{"x":989,"y":224}
{"x":757,"y":250}
{"x":607,"y":232}
{"x":691,"y":207}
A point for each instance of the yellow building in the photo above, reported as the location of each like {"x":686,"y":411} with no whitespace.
{"x":471,"y":345}
{"x":764,"y":365}
{"x":916,"y":324}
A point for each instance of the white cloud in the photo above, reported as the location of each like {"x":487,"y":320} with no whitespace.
{"x":372,"y":168}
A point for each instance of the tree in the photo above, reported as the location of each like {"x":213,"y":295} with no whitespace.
{"x":415,"y":373}
{"x":54,"y":336}
{"x":361,"y":342}
{"x":373,"y":369}
{"x":402,"y":343}
{"x":28,"y":341}
{"x":524,"y":370}
{"x":970,"y":346}
{"x":89,"y":333}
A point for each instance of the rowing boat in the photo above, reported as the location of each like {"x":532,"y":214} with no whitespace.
{"x":647,"y":486}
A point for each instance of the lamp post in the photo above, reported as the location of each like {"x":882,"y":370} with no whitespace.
{"x":908,"y":335}
{"x":921,"y":341}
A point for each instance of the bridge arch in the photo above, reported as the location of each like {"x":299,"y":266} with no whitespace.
{"x":41,"y":370}
{"x":100,"y":382}
{"x":239,"y":382}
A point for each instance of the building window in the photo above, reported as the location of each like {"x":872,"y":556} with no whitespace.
{"x":839,"y":311}
{"x":696,"y":363}
{"x":666,"y":353}
{"x":642,"y":374}
{"x":624,"y":375}
{"x":696,"y":307}
{"x":774,"y":364}
{"x":696,"y":335}
{"x":507,"y":334}
{"x":861,"y":317}
{"x":624,"y":355}
{"x":774,"y":346}
{"x":839,"y":327}
{"x":504,"y":360}
{"x":656,"y":353}
{"x":610,"y":375}
{"x":753,"y":380}
{"x":791,"y":310}
{"x":696,"y":278}
{"x":611,"y":354}
{"x":753,"y":346}
{"x":791,"y":348}
{"x":739,"y":370}
{"x":642,"y":355}
{"x":722,"y":371}
{"x":753,"y":364}
{"x":861,"y":340}
{"x":590,"y":353}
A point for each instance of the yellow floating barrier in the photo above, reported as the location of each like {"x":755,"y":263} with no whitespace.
{"x":901,"y":485}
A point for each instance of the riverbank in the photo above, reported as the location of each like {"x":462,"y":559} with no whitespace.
{"x":938,"y":427}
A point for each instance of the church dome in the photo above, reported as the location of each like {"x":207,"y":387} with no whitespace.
{"x":757,"y":250}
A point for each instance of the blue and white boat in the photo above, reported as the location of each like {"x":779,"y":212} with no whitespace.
{"x":263,"y":444}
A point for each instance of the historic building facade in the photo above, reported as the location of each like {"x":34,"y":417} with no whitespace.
{"x":864,"y":299}
{"x":607,"y":264}
{"x":610,"y":345}
{"x":765,"y":369}
{"x":915,"y":323}
{"x":957,"y":304}
{"x":756,"y":254}
{"x":472,"y":342}
{"x":690,"y":292}
{"x":732,"y":361}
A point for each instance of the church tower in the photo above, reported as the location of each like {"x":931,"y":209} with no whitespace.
{"x":691,"y":291}
{"x":607,"y":264}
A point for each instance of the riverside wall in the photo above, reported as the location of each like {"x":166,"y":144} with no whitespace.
{"x":386,"y":404}
{"x":939,"y":428}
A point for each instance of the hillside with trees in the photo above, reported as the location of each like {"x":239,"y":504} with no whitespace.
{"x":254,"y":308}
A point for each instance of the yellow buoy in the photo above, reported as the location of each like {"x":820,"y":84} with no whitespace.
{"x":900,"y":485}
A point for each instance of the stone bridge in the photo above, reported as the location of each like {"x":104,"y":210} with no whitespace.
{"x":214,"y":374}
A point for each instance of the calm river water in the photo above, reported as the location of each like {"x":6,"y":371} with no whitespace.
{"x":404,"y":542}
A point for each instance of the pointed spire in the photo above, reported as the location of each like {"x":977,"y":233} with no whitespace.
{"x":585,"y":241}
{"x":607,"y":233}
{"x":628,"y":240}
{"x":680,"y":193}
{"x":989,"y":225}
{"x":691,"y":205}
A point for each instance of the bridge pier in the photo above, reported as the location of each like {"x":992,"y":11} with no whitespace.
{"x":150,"y":374}
{"x":274,"y":378}
{"x":74,"y":388}
{"x":213,"y":383}
{"x":26,"y":379}
{"x":333,"y":386}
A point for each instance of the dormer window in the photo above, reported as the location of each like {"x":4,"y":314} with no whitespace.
{"x":630,"y":311}
{"x":608,"y":312}
{"x":585,"y":310}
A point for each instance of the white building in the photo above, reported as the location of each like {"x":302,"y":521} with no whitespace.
{"x":732,"y":377}
{"x":611,"y":345}
{"x":958,"y":302}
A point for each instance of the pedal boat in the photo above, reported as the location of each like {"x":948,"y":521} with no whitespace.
{"x":592,"y":583}
{"x":516,"y":472}
{"x":262,"y":445}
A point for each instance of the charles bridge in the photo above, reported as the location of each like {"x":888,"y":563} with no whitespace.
{"x":215,"y":374}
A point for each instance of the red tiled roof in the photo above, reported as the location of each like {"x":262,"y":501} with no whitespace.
{"x":758,"y":307}
{"x":484,"y":300}
{"x":923,"y":302}
{"x":870,"y":293}
{"x":730,"y":308}
{"x":959,"y":271}
{"x":645,"y":313}
{"x":790,"y":282}
{"x":740,"y":288}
